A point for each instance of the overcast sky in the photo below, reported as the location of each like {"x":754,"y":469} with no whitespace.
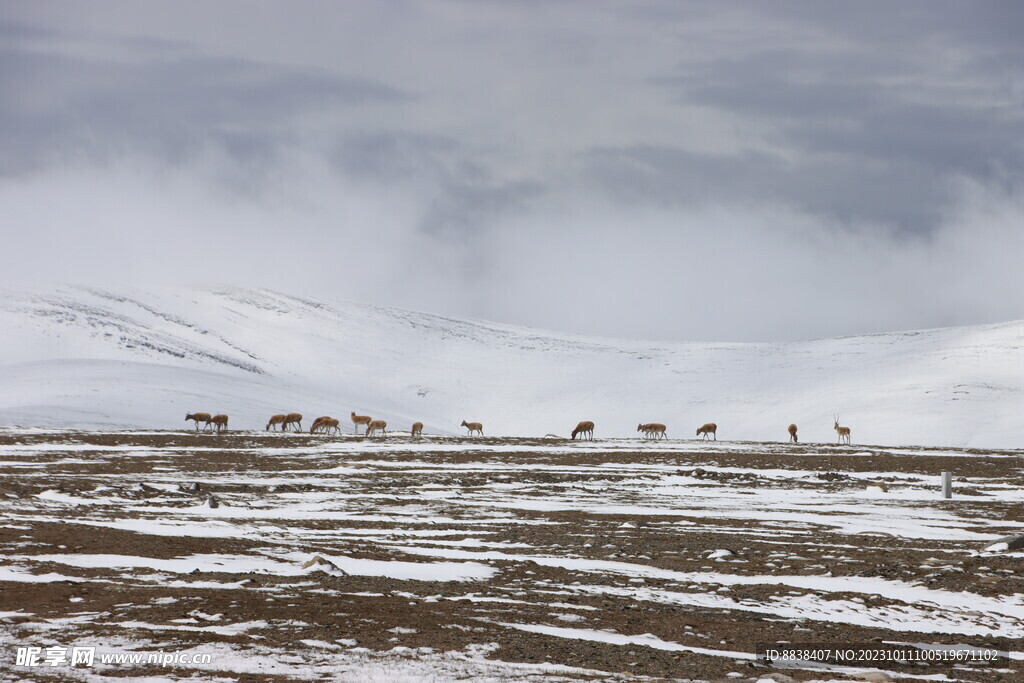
{"x":659,"y":170}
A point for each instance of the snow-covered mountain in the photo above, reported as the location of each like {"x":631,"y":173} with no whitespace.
{"x":86,"y":358}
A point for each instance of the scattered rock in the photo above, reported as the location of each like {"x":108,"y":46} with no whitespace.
{"x":1006,"y":543}
{"x":776,"y":678}
{"x":146,"y":491}
{"x":875,"y":676}
{"x":213,"y":502}
{"x":319,"y":563}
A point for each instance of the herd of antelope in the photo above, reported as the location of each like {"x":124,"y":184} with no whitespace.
{"x":324,"y":424}
{"x":585,"y":429}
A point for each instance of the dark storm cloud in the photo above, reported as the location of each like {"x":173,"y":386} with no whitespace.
{"x":463,"y":197}
{"x":990,"y":25}
{"x":901,"y":194}
{"x":878,"y":136}
{"x":834,"y":105}
{"x":548,"y":163}
{"x":58,"y":107}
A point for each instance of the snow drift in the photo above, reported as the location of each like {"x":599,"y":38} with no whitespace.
{"x":85,"y":358}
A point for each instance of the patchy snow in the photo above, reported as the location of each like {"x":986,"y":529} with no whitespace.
{"x":503,"y":535}
{"x":225,"y":630}
{"x":22,"y":575}
{"x":645,"y":639}
{"x":244,"y":564}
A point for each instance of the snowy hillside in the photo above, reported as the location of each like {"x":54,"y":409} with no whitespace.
{"x":85,"y":358}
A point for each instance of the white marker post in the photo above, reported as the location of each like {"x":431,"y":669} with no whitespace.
{"x":947,"y":485}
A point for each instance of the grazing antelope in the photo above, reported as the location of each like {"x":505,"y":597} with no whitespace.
{"x":275,"y":421}
{"x":199,"y":417}
{"x":317,"y":423}
{"x":417,"y":429}
{"x":294,"y":419}
{"x":653,"y":429}
{"x":359,"y":420}
{"x":377,"y":426}
{"x":792,"y":434}
{"x":710,"y":428}
{"x":473,"y":427}
{"x":842,"y":433}
{"x":325,"y":424}
{"x":220,"y":422}
{"x":585,"y":429}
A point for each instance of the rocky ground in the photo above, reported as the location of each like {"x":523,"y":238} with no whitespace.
{"x":290,"y":557}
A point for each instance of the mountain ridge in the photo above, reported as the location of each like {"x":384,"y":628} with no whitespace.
{"x":253,"y":352}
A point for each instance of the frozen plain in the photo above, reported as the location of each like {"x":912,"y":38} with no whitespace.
{"x":516,"y":556}
{"x":297,"y":557}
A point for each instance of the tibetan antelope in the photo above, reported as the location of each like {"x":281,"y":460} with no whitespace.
{"x":377,"y":426}
{"x":792,"y":434}
{"x":710,"y":428}
{"x":294,"y":419}
{"x":220,"y":422}
{"x":275,"y":421}
{"x":417,"y":429}
{"x":585,"y":429}
{"x":473,"y":427}
{"x":842,"y":433}
{"x":653,"y":429}
{"x":199,"y":417}
{"x":359,"y":420}
{"x":325,"y":424}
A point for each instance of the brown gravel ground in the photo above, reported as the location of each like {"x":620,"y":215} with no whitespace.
{"x":434,"y":614}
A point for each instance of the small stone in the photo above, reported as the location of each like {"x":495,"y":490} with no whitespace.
{"x":1006,"y":543}
{"x":776,"y":678}
{"x":875,"y":677}
{"x":321,"y":563}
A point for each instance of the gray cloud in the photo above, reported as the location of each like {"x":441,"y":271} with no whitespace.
{"x":549,"y":164}
{"x":62,"y":106}
{"x":897,"y":193}
{"x":869,"y":136}
{"x":462,"y":196}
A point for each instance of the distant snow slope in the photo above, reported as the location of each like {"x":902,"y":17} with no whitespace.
{"x":86,"y":358}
